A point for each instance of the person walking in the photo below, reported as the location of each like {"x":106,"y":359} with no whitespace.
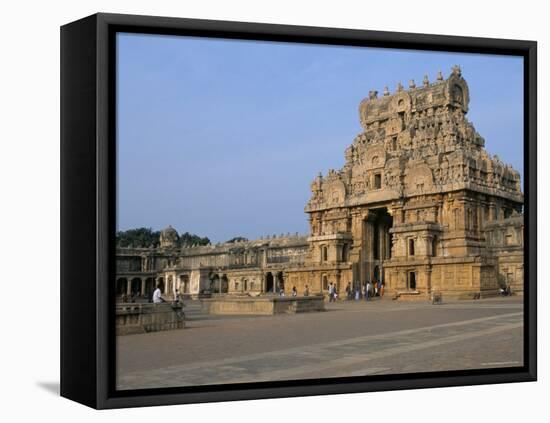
{"x":357,"y":291}
{"x":306,"y":291}
{"x":367,"y":290}
{"x":157,"y":298}
{"x":348,"y":291}
{"x":330,"y":292}
{"x":382,"y":283}
{"x":294,"y":292}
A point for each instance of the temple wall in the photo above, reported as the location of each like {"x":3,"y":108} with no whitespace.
{"x":505,"y":245}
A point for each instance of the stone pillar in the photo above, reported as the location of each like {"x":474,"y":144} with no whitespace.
{"x":388,"y":244}
{"x":129,"y":287}
{"x":478,"y":212}
{"x":382,"y":241}
{"x":367,"y":255}
{"x":428,"y":279}
{"x":463,"y":216}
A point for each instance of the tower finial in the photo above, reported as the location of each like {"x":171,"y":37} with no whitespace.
{"x":412,"y":85}
{"x":426,"y":81}
{"x":386,"y":91}
{"x":399,"y":87}
{"x":439,"y":76}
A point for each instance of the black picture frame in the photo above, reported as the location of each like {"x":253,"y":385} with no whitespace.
{"x":88,"y":209}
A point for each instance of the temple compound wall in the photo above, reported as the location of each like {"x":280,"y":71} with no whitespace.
{"x":240,"y":268}
{"x":419,"y":204}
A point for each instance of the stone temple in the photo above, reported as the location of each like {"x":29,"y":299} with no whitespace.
{"x":419,"y":204}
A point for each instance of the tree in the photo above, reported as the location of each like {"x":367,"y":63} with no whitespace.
{"x":187,"y":239}
{"x":138,"y":238}
{"x":145,"y":237}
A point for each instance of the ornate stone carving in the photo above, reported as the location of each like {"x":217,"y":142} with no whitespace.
{"x":427,"y":125}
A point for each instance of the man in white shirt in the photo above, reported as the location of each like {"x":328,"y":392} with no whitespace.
{"x":156,"y":296}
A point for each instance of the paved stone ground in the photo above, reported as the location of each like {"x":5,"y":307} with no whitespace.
{"x":349,"y":339}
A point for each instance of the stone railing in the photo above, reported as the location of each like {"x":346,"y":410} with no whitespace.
{"x":134,"y":318}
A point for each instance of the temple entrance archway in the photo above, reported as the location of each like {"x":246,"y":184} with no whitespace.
{"x":376,"y":244}
{"x":376,"y":273}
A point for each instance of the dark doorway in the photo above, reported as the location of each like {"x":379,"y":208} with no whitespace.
{"x":215,"y":284}
{"x":280,"y":282}
{"x":136,"y":286}
{"x":225,"y":284}
{"x":269,"y":282}
{"x":376,"y":274}
{"x":149,"y":288}
{"x":412,"y":281}
{"x":121,"y":286}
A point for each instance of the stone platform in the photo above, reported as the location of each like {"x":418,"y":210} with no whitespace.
{"x":265,"y":305}
{"x":448,"y":294}
{"x":134,"y":318}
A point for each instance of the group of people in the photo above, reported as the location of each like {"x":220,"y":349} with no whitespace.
{"x":359,"y":291}
{"x":365,"y":291}
{"x":332,"y":292}
{"x":294,"y":292}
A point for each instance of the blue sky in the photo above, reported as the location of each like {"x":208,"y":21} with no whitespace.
{"x":222,"y":137}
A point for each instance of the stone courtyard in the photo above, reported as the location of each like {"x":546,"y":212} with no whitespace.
{"x":349,"y":339}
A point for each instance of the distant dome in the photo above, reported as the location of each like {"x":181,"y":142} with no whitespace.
{"x":168,"y":237}
{"x":169,"y":230}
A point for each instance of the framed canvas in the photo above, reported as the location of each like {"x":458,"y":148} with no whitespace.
{"x":258,"y":211}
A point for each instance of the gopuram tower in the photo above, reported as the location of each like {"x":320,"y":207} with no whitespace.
{"x":413,"y":202}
